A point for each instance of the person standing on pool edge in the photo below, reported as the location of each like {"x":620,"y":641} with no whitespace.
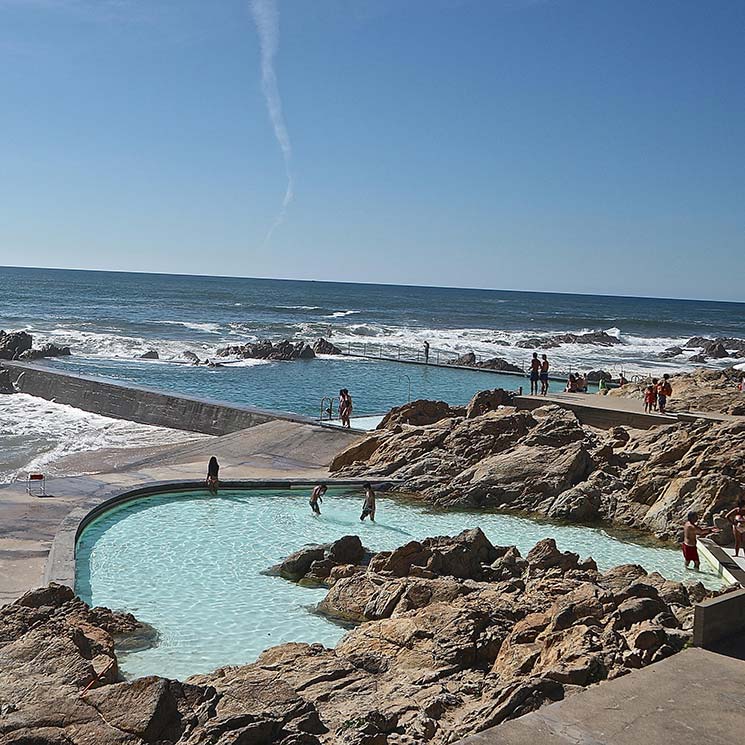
{"x":213,"y":476}
{"x":535,"y":374}
{"x":691,"y":532}
{"x":316,"y":496}
{"x":368,"y":506}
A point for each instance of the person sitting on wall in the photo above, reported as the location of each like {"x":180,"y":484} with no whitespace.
{"x":213,"y":476}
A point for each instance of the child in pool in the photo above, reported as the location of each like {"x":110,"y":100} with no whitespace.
{"x":368,"y":507}
{"x":316,"y":496}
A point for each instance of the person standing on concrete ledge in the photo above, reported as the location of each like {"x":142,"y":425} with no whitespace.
{"x":691,"y":532}
{"x":426,"y":352}
{"x":213,"y":476}
{"x":535,"y":374}
{"x":544,"y":375}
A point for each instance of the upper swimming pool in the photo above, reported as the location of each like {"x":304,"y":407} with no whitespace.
{"x":190,"y":565}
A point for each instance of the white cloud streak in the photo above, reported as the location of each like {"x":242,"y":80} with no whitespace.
{"x":266,"y":17}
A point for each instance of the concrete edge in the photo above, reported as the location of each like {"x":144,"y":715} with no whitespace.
{"x":721,"y":562}
{"x":61,"y":561}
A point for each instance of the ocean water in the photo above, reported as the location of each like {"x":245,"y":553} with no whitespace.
{"x":109,"y":318}
{"x":190,"y":565}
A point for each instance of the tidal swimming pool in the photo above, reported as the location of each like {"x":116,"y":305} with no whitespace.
{"x":190,"y":565}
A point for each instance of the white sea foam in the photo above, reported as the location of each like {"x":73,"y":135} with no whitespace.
{"x":208,"y":328}
{"x":343,"y":313}
{"x":35,"y":434}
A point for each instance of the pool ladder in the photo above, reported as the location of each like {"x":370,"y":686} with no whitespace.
{"x":327,"y":408}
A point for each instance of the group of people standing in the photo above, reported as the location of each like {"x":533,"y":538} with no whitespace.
{"x":368,"y":506}
{"x":539,"y":374}
{"x":656,"y":395}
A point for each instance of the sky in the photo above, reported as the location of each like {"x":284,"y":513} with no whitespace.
{"x":561,"y":145}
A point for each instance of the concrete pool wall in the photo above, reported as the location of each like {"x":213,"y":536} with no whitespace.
{"x":139,"y":403}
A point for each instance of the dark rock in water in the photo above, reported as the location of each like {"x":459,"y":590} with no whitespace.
{"x":699,"y":358}
{"x":14,"y":344}
{"x":595,"y":376}
{"x":297,"y":564}
{"x":188,"y":355}
{"x":418,"y":413}
{"x":322,"y":346}
{"x":495,"y":363}
{"x":151,"y":354}
{"x":670,"y":352}
{"x":6,"y":384}
{"x":47,"y":350}
{"x":498,"y":342}
{"x":316,"y":562}
{"x":266,"y":350}
{"x":597,"y":338}
{"x":715,"y":349}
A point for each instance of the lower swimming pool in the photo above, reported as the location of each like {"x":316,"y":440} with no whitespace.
{"x":190,"y":565}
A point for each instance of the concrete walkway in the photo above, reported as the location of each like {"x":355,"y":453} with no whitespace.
{"x":610,"y":411}
{"x":693,"y":697}
{"x":284,"y":450}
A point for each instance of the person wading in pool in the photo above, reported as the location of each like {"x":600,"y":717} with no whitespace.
{"x":535,"y":374}
{"x":213,"y":475}
{"x":316,"y":497}
{"x":368,"y":506}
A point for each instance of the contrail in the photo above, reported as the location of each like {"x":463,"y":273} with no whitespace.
{"x":266,"y":18}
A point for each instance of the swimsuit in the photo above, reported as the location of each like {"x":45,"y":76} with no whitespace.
{"x":690,"y":553}
{"x":314,"y":506}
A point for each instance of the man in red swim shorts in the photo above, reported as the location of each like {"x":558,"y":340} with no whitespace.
{"x":691,"y":531}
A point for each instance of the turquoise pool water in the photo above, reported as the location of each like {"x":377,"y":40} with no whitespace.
{"x":190,"y":565}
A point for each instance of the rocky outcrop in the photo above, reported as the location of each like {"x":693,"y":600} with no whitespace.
{"x":190,"y":357}
{"x":6,"y":384}
{"x":13,"y":344}
{"x":455,"y":635}
{"x":595,"y":376}
{"x":718,"y":347}
{"x":546,"y":462}
{"x":46,"y":350}
{"x":495,"y":363}
{"x":419,"y":413}
{"x":18,"y":345}
{"x":323,"y":346}
{"x":670,"y":352}
{"x":151,"y":354}
{"x":700,"y":390}
{"x":596,"y":338}
{"x":315,"y":564}
{"x":267,"y":350}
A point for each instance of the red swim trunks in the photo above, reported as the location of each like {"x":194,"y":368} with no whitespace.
{"x":690,"y":553}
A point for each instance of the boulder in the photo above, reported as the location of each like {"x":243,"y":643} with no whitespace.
{"x":715,"y":349}
{"x":14,"y":344}
{"x":151,"y":354}
{"x":298,"y":563}
{"x":46,"y":350}
{"x":322,"y":346}
{"x":670,"y":352}
{"x":465,"y":360}
{"x":190,"y":356}
{"x":419,"y":413}
{"x":595,"y":376}
{"x":485,"y":401}
{"x":500,"y":364}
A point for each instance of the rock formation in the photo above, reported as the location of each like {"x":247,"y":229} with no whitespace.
{"x":597,"y":338}
{"x":455,"y":635}
{"x":323,"y":346}
{"x":420,"y":412}
{"x":494,"y":363}
{"x":717,"y":348}
{"x":546,"y":462}
{"x":266,"y":350}
{"x":18,"y":345}
{"x":151,"y":354}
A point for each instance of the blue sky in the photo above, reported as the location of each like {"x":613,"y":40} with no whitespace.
{"x":567,"y":145}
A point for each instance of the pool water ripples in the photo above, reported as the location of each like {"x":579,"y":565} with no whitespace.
{"x":191,"y":566}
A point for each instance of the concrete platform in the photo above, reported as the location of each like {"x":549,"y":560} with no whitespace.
{"x":611,"y":411}
{"x":695,"y":696}
{"x":276,"y":450}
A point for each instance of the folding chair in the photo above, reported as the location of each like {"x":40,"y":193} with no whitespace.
{"x":36,"y":485}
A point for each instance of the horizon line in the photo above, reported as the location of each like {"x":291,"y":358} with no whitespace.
{"x":374,"y":284}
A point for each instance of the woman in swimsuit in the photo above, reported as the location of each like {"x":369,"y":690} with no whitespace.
{"x":737,"y":517}
{"x":213,"y":475}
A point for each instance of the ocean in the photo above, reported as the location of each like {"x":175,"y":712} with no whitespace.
{"x":109,"y":318}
